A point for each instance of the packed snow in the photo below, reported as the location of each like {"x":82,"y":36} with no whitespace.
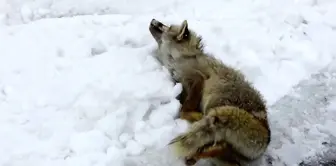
{"x":79,"y":85}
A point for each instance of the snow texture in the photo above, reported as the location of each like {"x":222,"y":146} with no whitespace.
{"x":310,"y":111}
{"x":79,"y":86}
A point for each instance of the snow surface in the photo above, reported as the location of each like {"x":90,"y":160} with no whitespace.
{"x":309,"y":109}
{"x":79,"y":86}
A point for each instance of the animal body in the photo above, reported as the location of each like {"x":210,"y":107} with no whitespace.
{"x":228,"y":116}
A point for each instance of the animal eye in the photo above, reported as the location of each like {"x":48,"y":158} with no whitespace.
{"x":186,"y":34}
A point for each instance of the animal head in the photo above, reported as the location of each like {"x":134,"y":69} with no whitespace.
{"x":176,"y":40}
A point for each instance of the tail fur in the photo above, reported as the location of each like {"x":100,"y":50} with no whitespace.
{"x":224,"y":129}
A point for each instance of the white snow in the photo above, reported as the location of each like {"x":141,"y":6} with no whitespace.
{"x":79,"y":87}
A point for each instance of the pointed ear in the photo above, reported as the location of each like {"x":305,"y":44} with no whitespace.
{"x":184,"y":32}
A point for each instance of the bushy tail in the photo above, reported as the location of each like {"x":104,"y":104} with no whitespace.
{"x":224,"y":130}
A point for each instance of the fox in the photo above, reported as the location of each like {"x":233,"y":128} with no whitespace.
{"x":228,"y":117}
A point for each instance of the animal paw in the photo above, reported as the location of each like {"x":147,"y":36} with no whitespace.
{"x":191,"y":116}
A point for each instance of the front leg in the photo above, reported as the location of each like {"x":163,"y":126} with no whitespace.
{"x":192,"y":93}
{"x":185,"y":112}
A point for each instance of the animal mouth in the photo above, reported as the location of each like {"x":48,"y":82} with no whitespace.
{"x":157,"y":28}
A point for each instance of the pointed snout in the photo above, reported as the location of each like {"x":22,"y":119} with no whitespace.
{"x":159,"y":25}
{"x":157,"y":28}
